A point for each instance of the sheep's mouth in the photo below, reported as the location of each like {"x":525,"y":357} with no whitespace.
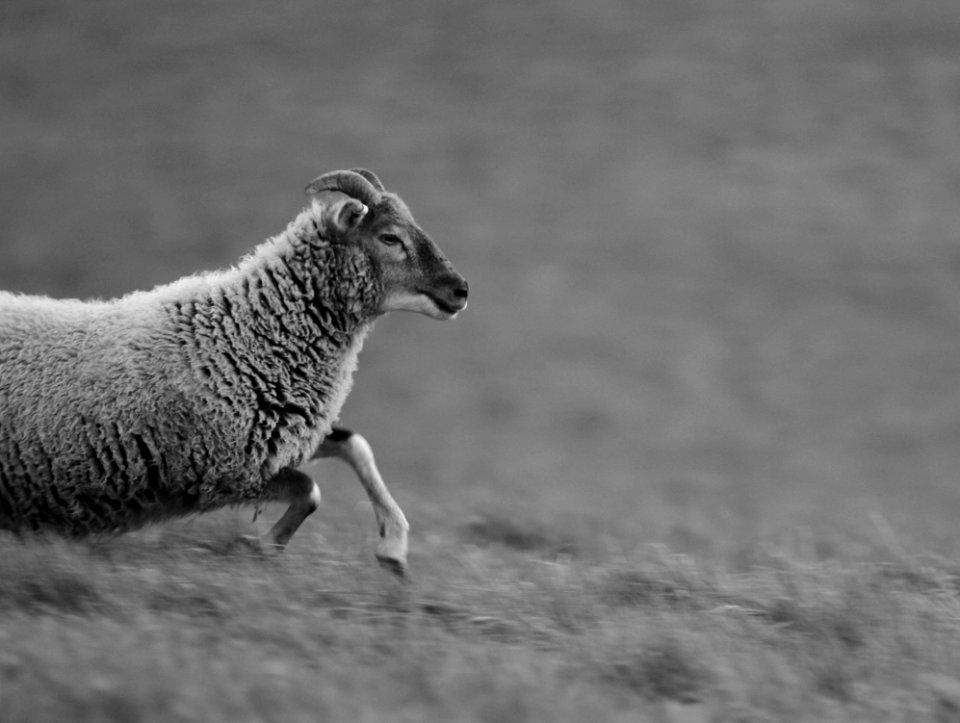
{"x":444,"y":306}
{"x":448,"y":309}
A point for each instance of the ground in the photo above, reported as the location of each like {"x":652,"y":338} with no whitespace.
{"x":690,"y":454}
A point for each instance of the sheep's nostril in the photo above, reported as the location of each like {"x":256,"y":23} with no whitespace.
{"x":462,"y":291}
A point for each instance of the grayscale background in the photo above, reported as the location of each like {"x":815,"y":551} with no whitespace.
{"x":713,"y":247}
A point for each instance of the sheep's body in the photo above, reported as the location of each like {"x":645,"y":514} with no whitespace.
{"x":212,"y":390}
{"x":181,"y":399}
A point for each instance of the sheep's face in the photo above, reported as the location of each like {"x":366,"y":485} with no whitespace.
{"x":416,"y":276}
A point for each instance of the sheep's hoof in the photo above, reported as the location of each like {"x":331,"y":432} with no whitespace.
{"x":397,"y":567}
{"x":392,"y":554}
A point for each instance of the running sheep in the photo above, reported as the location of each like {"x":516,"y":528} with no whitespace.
{"x":212,"y":390}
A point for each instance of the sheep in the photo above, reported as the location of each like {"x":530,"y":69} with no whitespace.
{"x":213,"y":390}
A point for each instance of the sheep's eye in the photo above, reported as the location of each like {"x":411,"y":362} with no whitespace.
{"x":390,"y":239}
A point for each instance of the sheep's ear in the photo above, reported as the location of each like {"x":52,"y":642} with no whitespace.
{"x":351,"y":214}
{"x":345,"y":214}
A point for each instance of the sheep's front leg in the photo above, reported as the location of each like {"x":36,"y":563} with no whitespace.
{"x":293,"y":486}
{"x":356,"y":452}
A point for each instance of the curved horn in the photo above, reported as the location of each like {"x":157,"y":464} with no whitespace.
{"x":370,"y":176}
{"x":349,"y":182}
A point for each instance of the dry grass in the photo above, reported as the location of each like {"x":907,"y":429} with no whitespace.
{"x":161,"y":627}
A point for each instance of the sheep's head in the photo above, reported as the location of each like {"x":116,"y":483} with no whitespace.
{"x":416,"y":275}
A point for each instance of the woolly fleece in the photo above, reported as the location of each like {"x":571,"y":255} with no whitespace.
{"x":184,"y":398}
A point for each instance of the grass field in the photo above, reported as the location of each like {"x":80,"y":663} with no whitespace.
{"x":690,"y":455}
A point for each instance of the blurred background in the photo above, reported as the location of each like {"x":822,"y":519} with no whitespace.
{"x":713,"y":247}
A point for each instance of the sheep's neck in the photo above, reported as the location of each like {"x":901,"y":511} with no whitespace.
{"x":312,"y":308}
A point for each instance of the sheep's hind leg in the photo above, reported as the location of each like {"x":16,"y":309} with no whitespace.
{"x":301,"y":492}
{"x":356,"y":452}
